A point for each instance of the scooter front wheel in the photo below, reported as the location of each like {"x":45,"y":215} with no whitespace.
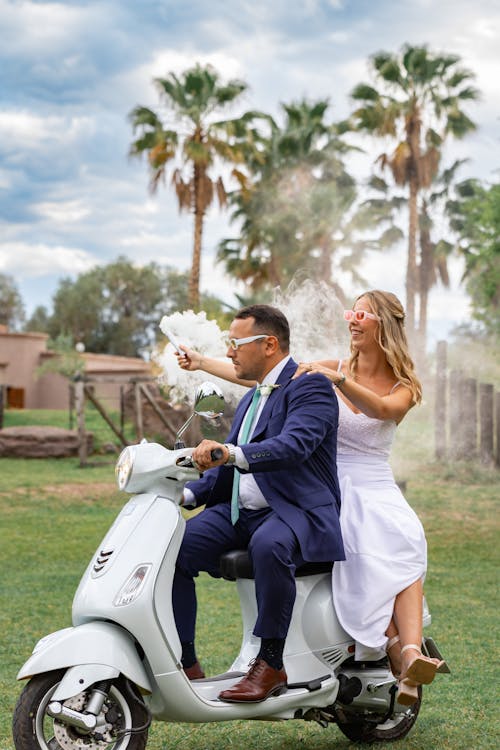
{"x":359,"y":729}
{"x":34,"y":729}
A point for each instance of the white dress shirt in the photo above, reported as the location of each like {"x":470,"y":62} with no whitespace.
{"x":250,"y":496}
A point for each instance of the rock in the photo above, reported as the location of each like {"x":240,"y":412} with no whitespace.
{"x":40,"y":442}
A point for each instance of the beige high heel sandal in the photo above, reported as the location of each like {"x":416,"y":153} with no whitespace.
{"x":421,"y":671}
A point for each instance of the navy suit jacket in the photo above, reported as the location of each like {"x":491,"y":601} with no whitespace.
{"x":293,"y":459}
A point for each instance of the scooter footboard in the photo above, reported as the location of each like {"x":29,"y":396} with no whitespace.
{"x":96,"y":650}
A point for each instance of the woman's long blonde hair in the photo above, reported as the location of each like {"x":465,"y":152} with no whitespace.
{"x":392,"y":339}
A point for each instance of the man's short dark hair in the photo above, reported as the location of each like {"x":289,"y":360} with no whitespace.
{"x":269,"y":320}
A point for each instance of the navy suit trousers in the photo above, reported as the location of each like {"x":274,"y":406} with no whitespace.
{"x":275,"y":554}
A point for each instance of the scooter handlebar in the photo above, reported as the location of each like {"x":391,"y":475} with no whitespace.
{"x":215,"y":454}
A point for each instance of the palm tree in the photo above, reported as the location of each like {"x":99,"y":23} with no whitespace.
{"x":293,"y":205}
{"x":433,"y":265}
{"x":418,"y":107}
{"x":190,"y":101}
{"x":384,"y":213}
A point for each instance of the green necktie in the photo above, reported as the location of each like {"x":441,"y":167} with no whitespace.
{"x":235,"y":511}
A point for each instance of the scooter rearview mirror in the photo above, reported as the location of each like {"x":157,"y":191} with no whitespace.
{"x":208,"y":403}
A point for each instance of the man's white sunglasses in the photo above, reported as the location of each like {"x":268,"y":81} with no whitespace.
{"x":359,"y":315}
{"x":236,"y":343}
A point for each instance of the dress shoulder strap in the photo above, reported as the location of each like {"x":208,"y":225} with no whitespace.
{"x":339,"y":366}
{"x":394,"y":387}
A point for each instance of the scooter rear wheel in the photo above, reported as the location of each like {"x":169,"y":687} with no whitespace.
{"x":34,"y":729}
{"x":358,"y":729}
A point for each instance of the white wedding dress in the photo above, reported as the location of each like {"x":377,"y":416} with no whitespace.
{"x":384,"y":540}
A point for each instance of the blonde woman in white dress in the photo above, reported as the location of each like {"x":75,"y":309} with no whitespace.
{"x":378,"y":589}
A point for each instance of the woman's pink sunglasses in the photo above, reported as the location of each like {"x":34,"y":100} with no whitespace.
{"x":359,"y":315}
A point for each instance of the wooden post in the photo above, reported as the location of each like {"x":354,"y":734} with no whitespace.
{"x":1,"y":406}
{"x":486,"y":414}
{"x":103,"y":414}
{"x":440,"y":402}
{"x":80,"y":415}
{"x":122,"y":409}
{"x":138,"y":411}
{"x":470,"y":419}
{"x":456,"y":415}
{"x":497,"y":422}
{"x":71,"y":404}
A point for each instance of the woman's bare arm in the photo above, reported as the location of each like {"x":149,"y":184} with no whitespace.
{"x":393,"y":406}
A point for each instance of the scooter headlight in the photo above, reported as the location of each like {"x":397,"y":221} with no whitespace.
{"x":124,"y":466}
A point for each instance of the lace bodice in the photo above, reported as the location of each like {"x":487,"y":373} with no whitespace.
{"x":362,"y":435}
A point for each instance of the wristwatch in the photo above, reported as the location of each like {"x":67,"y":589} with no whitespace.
{"x":231,"y":459}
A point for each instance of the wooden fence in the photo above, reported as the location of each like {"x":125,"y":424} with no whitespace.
{"x":150,"y":413}
{"x":467,"y":415}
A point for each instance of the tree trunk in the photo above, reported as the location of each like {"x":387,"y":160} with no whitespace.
{"x":411,"y":266}
{"x":325,"y":260}
{"x":274,"y":271}
{"x":199,"y":212}
{"x":426,"y":278}
{"x":413,"y":140}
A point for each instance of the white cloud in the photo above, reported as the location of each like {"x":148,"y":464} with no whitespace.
{"x":178,"y":61}
{"x":34,"y":27}
{"x":21,"y":130}
{"x":26,"y":260}
{"x":62,"y":212}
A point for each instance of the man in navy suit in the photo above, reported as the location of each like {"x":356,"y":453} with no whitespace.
{"x":285,"y":498}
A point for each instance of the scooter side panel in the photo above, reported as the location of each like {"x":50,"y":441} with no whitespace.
{"x":314,"y":630}
{"x":148,"y":535}
{"x":96,"y":643}
{"x":115,"y":557}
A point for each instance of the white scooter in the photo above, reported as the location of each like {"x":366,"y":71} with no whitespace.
{"x":101,"y":682}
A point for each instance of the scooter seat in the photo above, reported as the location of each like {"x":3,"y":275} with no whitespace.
{"x":237,"y":564}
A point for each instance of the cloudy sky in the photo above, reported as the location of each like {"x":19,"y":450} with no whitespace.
{"x":72,"y":70}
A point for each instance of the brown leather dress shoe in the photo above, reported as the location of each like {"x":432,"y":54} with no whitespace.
{"x":194,"y":672}
{"x":260,"y":682}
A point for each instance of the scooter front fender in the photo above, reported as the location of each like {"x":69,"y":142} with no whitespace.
{"x":101,"y":650}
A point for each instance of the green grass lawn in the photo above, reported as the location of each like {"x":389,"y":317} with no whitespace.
{"x":54,"y":515}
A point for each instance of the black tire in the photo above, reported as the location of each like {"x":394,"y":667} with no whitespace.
{"x":358,"y":729}
{"x":34,"y":729}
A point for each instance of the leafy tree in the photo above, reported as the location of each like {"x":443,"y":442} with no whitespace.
{"x":115,"y":309}
{"x":11,"y":304}
{"x":39,"y":320}
{"x":293,"y":209}
{"x":418,"y":105}
{"x":191,"y":99}
{"x":475,"y":216}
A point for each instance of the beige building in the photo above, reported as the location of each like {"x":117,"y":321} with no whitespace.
{"x":21,"y":354}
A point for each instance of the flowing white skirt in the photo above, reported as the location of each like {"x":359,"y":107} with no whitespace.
{"x":385,"y":550}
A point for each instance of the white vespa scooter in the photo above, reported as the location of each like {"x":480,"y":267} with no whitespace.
{"x":101,"y":682}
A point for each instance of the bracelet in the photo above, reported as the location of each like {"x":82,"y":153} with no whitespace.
{"x":341,"y":382}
